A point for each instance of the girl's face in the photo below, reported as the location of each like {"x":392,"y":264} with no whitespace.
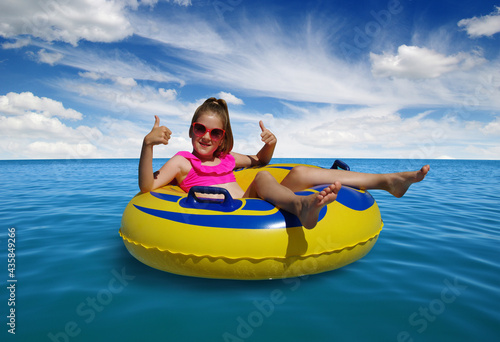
{"x":205,"y":146}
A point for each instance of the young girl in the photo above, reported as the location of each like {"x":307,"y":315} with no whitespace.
{"x":212,"y":163}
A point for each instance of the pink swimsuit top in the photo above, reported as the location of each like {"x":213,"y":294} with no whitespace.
{"x":207,"y":175}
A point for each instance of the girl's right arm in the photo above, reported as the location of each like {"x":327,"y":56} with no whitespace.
{"x":147,"y":179}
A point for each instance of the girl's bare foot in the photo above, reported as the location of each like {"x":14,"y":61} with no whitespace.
{"x":311,"y":205}
{"x":400,"y":182}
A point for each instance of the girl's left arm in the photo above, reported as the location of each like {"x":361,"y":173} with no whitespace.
{"x":263,"y":157}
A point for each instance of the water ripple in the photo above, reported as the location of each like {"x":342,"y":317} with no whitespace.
{"x":440,"y":238}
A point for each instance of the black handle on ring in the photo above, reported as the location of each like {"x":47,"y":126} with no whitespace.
{"x":339,"y":164}
{"x":193,"y":200}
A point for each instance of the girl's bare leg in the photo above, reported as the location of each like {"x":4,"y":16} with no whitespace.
{"x":303,"y":177}
{"x":306,"y":208}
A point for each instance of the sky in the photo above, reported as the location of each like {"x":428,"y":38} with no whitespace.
{"x":416,"y":79}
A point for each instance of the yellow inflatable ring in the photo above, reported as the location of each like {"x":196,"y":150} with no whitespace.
{"x":246,"y":238}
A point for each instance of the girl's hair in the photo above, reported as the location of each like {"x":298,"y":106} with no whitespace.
{"x":219,"y":108}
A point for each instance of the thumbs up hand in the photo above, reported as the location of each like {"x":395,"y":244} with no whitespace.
{"x":158,"y":135}
{"x":267,"y":136}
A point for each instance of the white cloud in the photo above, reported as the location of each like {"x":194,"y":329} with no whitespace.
{"x":415,"y":62}
{"x":487,"y":25}
{"x":47,"y":150}
{"x":493,"y":127}
{"x":181,"y":31}
{"x":37,"y":136}
{"x":230,"y":98}
{"x":67,"y":21}
{"x":19,"y":104}
{"x":32,"y":135}
{"x":70,"y":21}
{"x":168,"y":94}
{"x":139,"y":100}
{"x":18,"y":43}
{"x":49,"y":58}
{"x":122,"y":81}
{"x":125,"y":81}
{"x":257,"y":59}
{"x":265,"y":61}
{"x":135,"y":3}
{"x":311,"y":131}
{"x":90,"y":74}
{"x":378,"y":132}
{"x":262,"y":59}
{"x":182,"y":2}
{"x":118,"y":66}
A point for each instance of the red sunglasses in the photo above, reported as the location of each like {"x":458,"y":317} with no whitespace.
{"x":215,"y":133}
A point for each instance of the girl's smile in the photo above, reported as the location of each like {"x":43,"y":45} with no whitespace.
{"x":204,"y":146}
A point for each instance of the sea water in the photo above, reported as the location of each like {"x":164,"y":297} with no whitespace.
{"x":433,"y":275}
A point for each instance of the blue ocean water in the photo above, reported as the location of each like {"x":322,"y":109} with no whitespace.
{"x":433,"y":275}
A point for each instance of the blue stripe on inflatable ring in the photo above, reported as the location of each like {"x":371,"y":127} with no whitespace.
{"x":278,"y":219}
